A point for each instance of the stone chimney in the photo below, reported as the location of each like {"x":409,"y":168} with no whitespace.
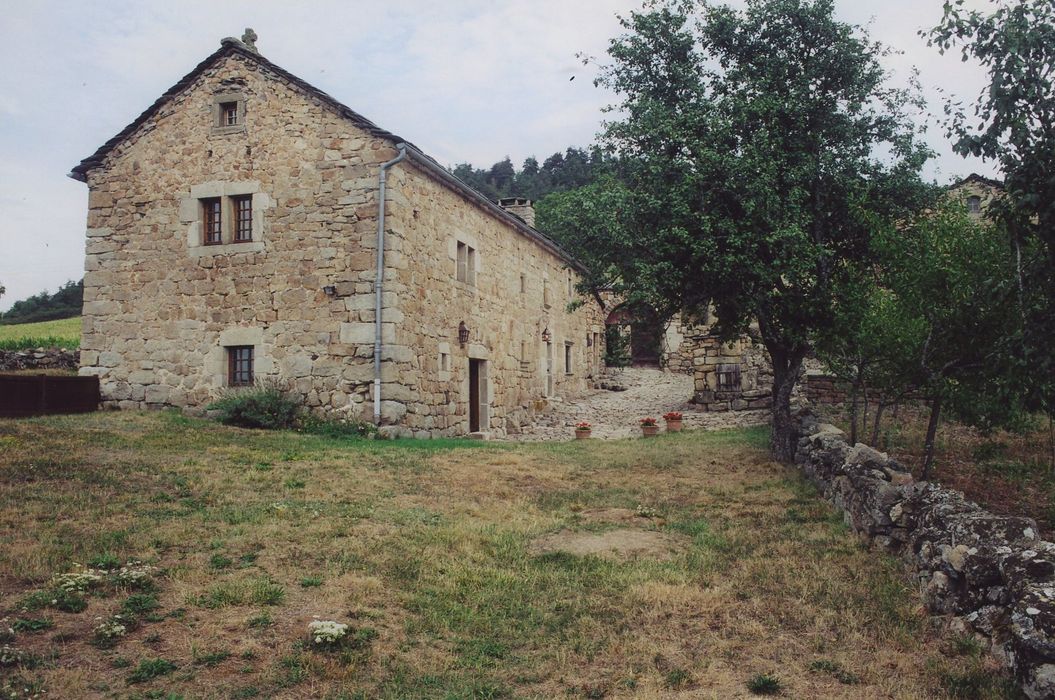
{"x":520,"y":208}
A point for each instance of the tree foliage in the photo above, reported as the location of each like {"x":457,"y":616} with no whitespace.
{"x":1011,"y":122}
{"x":66,"y":302}
{"x":758,"y":150}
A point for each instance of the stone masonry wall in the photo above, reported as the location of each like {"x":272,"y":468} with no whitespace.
{"x":520,"y":291}
{"x":159,"y":307}
{"x":991,"y":574}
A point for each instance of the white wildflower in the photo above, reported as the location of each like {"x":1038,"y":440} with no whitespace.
{"x":77,"y":581}
{"x":327,"y":631}
{"x":111,"y":629}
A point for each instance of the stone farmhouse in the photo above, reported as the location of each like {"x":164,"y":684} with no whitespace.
{"x":248,"y":227}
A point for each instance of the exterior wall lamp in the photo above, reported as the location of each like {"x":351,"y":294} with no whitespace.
{"x":463,"y":333}
{"x":546,"y":335}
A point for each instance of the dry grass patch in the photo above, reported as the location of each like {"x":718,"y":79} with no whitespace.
{"x":428,"y":551}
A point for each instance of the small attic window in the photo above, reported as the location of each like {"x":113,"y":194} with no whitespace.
{"x":974,"y":205}
{"x":228,"y":114}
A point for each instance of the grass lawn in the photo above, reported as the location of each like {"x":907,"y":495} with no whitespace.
{"x":64,"y":333}
{"x":439,"y":557}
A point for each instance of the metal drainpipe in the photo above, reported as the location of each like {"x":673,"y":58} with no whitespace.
{"x":379,"y":280}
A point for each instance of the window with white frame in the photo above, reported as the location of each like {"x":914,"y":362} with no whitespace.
{"x":466,"y":264}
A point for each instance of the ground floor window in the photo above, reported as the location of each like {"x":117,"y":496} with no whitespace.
{"x":240,"y":365}
{"x":567,"y":358}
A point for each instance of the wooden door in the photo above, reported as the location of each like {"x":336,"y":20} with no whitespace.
{"x":474,"y":396}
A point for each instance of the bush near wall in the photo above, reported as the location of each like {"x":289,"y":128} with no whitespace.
{"x":991,"y":574}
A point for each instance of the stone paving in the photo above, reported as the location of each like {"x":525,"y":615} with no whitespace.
{"x":615,"y":414}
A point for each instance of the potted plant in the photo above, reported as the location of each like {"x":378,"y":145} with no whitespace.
{"x":649,"y":427}
{"x":582,"y":430}
{"x":673,"y":419}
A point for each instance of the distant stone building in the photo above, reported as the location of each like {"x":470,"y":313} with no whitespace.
{"x":233,"y":236}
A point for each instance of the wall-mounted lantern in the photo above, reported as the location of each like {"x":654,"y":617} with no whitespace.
{"x":330,"y":290}
{"x":589,"y":341}
{"x":546,"y":335}
{"x":463,"y":333}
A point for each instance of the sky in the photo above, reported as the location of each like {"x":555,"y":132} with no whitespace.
{"x":465,"y":80}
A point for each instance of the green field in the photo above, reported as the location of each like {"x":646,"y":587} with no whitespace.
{"x":64,"y":333}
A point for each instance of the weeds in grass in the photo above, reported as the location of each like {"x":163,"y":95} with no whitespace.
{"x":836,"y":671}
{"x":139,"y":604}
{"x":23,"y":624}
{"x":677,"y":678}
{"x":260,"y":621}
{"x":311,"y":582}
{"x":149,"y":669}
{"x":764,"y":684}
{"x":219,"y":561}
{"x":977,"y":683}
{"x":261,"y":591}
{"x":209,"y":658}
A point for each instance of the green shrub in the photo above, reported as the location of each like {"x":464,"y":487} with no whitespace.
{"x":264,"y":406}
{"x":764,"y":684}
{"x":149,"y":669}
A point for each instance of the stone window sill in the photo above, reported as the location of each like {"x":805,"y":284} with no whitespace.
{"x":224,"y":130}
{"x":227,"y":248}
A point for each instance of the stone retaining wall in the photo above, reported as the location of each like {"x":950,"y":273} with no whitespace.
{"x":39,"y":358}
{"x":991,"y":574}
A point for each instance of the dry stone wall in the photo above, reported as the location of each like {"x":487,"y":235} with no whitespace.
{"x":991,"y":574}
{"x":39,"y":358}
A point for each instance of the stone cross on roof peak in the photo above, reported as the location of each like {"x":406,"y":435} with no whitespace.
{"x":249,"y":39}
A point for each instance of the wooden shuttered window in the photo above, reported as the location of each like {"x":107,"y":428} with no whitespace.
{"x":243,"y":218}
{"x":212,"y":223}
{"x":240,"y":365}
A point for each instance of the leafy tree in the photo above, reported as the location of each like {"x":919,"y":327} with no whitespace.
{"x":952,"y":298}
{"x":1011,"y":123}
{"x":749,"y":154}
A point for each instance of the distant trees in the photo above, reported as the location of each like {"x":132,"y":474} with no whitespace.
{"x":64,"y":303}
{"x":574,"y":168}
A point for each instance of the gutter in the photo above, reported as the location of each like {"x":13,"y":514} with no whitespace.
{"x":379,"y":280}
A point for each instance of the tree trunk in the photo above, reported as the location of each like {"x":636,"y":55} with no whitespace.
{"x":932,"y":430}
{"x":854,"y":388}
{"x":880,"y":407}
{"x":864,"y":414}
{"x":786,"y":367}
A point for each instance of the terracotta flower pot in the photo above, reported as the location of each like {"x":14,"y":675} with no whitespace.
{"x":582,"y":434}
{"x":649,"y":430}
{"x":673,"y":426}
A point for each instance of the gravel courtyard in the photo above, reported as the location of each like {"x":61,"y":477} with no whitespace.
{"x":615,"y":414}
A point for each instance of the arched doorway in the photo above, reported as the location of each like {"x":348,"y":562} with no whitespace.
{"x":640,"y":326}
